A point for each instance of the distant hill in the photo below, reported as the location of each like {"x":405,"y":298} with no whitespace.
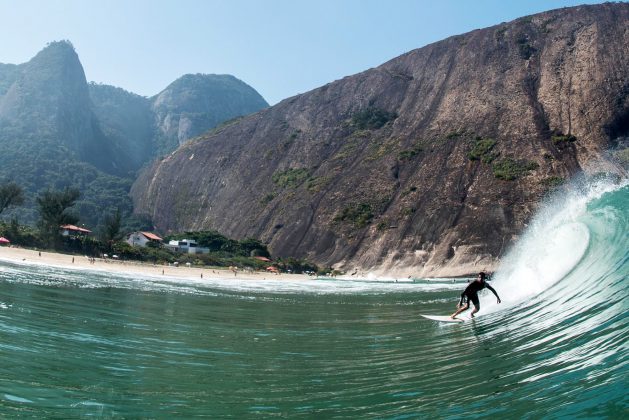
{"x":56,"y":130}
{"x":127,"y":121}
{"x":195,"y":103}
{"x":431,"y":163}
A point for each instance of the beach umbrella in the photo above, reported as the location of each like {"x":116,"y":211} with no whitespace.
{"x":4,"y":240}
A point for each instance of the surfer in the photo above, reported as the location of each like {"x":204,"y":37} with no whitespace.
{"x":471,"y":294}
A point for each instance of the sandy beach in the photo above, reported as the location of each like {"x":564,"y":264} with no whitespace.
{"x":80,"y":262}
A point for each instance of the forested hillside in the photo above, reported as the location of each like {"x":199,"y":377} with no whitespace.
{"x":58,"y":131}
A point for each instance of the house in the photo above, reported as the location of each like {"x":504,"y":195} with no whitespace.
{"x":187,"y":246}
{"x":73,"y":231}
{"x":142,"y":239}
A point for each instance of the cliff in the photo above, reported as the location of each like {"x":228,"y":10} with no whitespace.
{"x":56,"y":130}
{"x":430,"y":164}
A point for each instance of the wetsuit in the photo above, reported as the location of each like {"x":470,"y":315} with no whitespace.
{"x":471,"y":292}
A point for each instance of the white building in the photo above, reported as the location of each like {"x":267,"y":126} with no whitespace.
{"x":142,"y":238}
{"x":188,"y":246}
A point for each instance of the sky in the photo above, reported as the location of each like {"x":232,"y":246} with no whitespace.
{"x":279,"y":47}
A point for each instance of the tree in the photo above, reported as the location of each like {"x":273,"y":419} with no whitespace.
{"x":111,"y":227}
{"x":10,"y":195}
{"x":53,"y":209}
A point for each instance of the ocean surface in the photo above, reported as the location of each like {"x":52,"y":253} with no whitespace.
{"x":83,"y":344}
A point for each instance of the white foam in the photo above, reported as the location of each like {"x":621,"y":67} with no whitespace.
{"x":552,"y":246}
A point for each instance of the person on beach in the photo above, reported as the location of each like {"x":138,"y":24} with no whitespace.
{"x":471,"y":294}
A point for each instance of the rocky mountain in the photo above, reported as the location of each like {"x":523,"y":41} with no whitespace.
{"x":56,"y":130}
{"x":48,"y":97}
{"x":430,"y":164}
{"x":195,"y":103}
{"x":127,"y":121}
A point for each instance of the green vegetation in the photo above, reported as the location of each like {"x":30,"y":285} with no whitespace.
{"x":545,"y":26}
{"x":499,"y":34}
{"x":54,"y":211}
{"x":409,"y":190}
{"x":347,"y":150}
{"x":295,"y":265}
{"x":220,"y":244}
{"x":372,"y":118}
{"x":510,"y":169}
{"x":410,"y":153}
{"x":224,"y":252}
{"x":552,"y":181}
{"x":290,"y":178}
{"x":60,"y":132}
{"x":11,"y":194}
{"x":525,"y":49}
{"x":561,"y":139}
{"x":267,"y":199}
{"x":359,"y":135}
{"x":379,"y":150}
{"x":357,"y":214}
{"x":294,"y":135}
{"x":227,"y":123}
{"x":315,"y":184}
{"x":482,"y":150}
{"x":20,"y":234}
{"x":407,"y":211}
{"x":56,"y":208}
{"x":111,"y":227}
{"x":44,"y":163}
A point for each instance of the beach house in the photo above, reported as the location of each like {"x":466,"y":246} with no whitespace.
{"x":188,"y":246}
{"x":73,"y":231}
{"x":142,"y":239}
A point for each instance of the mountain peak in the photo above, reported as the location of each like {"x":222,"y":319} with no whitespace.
{"x":195,"y":103}
{"x":57,"y":53}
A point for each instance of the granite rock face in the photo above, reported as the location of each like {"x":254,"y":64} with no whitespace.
{"x":195,"y":103}
{"x":430,"y":164}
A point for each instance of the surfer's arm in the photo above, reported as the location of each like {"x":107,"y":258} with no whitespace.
{"x":493,"y":291}
{"x":462,"y":300}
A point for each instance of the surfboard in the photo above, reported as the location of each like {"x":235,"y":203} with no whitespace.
{"x":443,"y":318}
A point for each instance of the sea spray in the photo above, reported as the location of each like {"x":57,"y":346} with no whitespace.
{"x":554,"y":243}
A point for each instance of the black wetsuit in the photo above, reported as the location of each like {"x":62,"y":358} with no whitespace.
{"x":471,"y":292}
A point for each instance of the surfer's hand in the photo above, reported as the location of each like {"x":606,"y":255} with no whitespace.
{"x":499,"y":300}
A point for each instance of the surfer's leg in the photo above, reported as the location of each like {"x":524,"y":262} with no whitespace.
{"x":476,"y":303}
{"x":461,"y":309}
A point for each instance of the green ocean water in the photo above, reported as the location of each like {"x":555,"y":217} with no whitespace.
{"x":86,"y":344}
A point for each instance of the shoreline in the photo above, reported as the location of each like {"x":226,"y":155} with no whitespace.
{"x":28,"y":256}
{"x":125,"y":267}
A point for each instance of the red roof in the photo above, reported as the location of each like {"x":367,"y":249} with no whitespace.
{"x":75,"y":228}
{"x":151,"y":236}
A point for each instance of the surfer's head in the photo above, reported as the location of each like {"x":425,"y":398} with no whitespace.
{"x":482,"y":276}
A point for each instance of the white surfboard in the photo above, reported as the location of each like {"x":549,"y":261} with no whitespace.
{"x":443,"y":318}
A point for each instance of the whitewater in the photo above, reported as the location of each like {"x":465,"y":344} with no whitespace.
{"x":78,"y":343}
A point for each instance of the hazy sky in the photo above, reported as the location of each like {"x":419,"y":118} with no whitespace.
{"x":280,"y":47}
